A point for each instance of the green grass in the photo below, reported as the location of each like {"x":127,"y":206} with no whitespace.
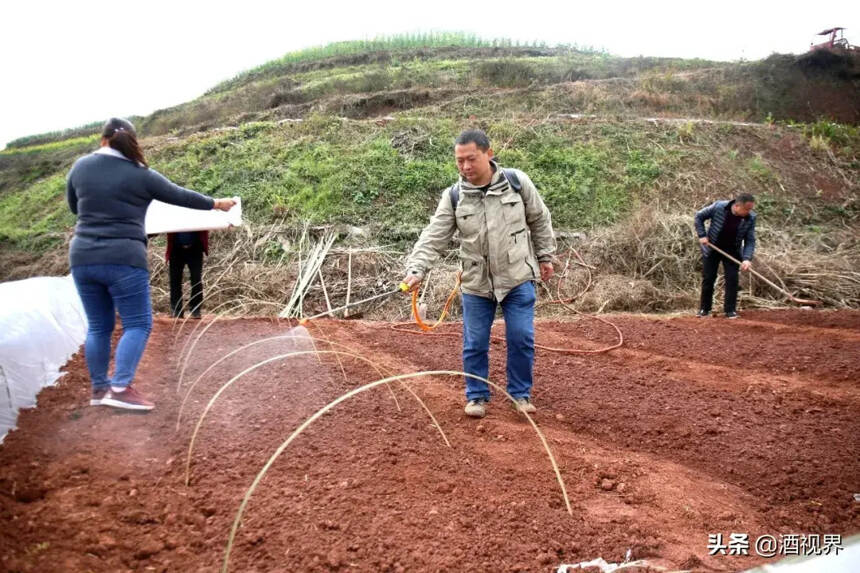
{"x":87,"y":130}
{"x":36,"y":217}
{"x":471,"y":71}
{"x":840,"y":136}
{"x":758,"y":169}
{"x":390,"y":176}
{"x":328,"y":171}
{"x":22,"y":167}
{"x":310,"y":172}
{"x":395,"y":43}
{"x":774,"y":89}
{"x":88,"y":140}
{"x":269,"y":94}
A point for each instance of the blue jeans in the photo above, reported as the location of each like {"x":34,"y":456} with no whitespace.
{"x":105,"y":289}
{"x":518,"y":308}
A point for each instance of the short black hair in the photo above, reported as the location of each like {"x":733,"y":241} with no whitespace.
{"x":745,"y":198}
{"x":476,"y":136}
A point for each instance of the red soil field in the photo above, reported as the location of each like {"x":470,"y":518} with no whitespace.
{"x":695,"y":426}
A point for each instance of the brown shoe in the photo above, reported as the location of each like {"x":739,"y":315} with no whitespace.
{"x":98,"y":395}
{"x":128,"y":399}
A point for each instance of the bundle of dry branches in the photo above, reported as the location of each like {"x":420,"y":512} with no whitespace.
{"x":649,"y":262}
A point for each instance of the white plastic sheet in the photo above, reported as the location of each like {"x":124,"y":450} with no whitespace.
{"x":42,"y":323}
{"x":164,"y":218}
{"x":845,"y":560}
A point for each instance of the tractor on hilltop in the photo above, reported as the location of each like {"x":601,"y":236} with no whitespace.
{"x":836,"y":44}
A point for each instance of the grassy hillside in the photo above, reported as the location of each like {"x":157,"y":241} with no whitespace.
{"x":360,"y":134}
{"x":360,"y":79}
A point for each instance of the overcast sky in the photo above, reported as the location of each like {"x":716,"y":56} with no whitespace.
{"x":69,"y":63}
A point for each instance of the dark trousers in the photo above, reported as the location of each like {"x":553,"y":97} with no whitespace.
{"x":709,"y":277}
{"x":179,"y":258}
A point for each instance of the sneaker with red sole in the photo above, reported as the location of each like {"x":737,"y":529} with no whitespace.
{"x":128,"y":399}
{"x":98,"y":395}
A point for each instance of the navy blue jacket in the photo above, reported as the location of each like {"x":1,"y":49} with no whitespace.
{"x":716,"y":212}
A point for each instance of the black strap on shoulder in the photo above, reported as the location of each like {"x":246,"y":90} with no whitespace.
{"x":509,"y":174}
{"x":513,"y":180}
{"x":454,"y":192}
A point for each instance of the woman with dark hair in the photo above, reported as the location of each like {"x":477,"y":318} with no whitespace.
{"x":110,"y":191}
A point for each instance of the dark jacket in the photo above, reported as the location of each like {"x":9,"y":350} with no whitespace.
{"x":110,"y":196}
{"x":171,"y":243}
{"x":716,"y":212}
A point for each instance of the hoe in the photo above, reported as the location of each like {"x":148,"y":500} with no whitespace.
{"x":790,"y":296}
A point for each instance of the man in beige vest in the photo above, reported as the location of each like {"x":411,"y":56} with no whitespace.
{"x":506,"y":243}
